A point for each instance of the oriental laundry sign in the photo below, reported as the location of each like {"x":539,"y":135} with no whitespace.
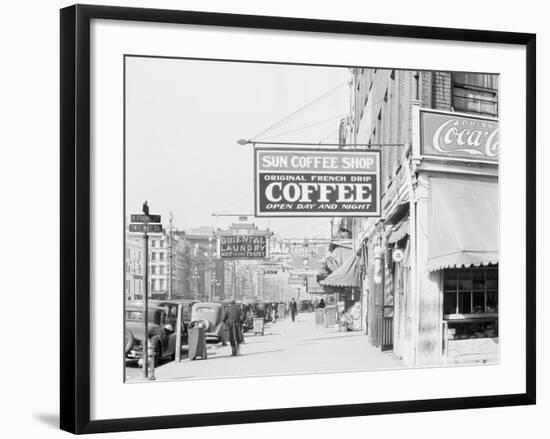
{"x":313,"y":183}
{"x":459,"y":136}
{"x":242,"y":246}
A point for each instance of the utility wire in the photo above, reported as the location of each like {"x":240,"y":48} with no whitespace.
{"x":329,"y":135}
{"x":306,"y":126}
{"x":369,"y":105}
{"x":295,"y":113}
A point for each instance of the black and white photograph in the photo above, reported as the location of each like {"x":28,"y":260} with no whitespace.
{"x":275,"y":219}
{"x":287,"y":219}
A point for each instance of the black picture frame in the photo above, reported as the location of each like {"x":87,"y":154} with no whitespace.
{"x":75,"y":217}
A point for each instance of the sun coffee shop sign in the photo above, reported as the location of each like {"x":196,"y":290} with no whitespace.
{"x":313,"y":183}
{"x":459,"y":136}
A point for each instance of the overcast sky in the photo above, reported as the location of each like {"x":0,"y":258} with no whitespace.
{"x":185,"y":116}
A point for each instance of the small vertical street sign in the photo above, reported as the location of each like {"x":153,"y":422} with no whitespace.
{"x":142,"y":218}
{"x":146,"y":223}
{"x":145,"y":228}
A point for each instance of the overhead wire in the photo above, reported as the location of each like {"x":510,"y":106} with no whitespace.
{"x":298,"y":111}
{"x":329,"y":135}
{"x":305,"y":127}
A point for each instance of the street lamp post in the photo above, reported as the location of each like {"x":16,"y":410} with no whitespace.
{"x":196,"y":270}
{"x":209,"y":283}
{"x":213,"y":284}
{"x":305,"y":263}
{"x":233,"y":279}
{"x":170,"y":258}
{"x":195,"y":277}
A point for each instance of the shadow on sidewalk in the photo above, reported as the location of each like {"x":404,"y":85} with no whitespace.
{"x":251,"y":354}
{"x":334,"y":337}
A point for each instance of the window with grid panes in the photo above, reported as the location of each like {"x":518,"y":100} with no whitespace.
{"x":470,"y":290}
{"x":475,"y":93}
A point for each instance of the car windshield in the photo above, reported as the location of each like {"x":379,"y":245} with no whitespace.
{"x":204,"y":309}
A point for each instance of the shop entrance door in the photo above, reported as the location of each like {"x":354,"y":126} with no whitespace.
{"x":388,"y":303}
{"x":387,"y":332}
{"x":377,"y":315}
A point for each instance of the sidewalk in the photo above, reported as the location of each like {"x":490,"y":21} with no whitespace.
{"x":286,"y":348}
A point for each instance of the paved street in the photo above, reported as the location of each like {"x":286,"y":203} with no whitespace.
{"x":285,"y":348}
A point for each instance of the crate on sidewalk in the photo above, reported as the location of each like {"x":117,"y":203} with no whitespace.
{"x":258,"y":325}
{"x":197,"y":342}
{"x":331,"y":316}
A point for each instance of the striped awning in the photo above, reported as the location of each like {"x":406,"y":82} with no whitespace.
{"x":399,"y":231}
{"x":346,"y":275}
{"x":463,"y":223}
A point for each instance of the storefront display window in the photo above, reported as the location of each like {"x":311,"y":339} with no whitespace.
{"x":470,"y":291}
{"x":472,"y":329}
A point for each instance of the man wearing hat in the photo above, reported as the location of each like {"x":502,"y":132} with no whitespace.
{"x":232,"y":317}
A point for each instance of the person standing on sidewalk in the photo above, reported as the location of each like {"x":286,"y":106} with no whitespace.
{"x":293,"y":309}
{"x":232,"y":317}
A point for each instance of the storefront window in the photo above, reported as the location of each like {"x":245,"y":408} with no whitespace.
{"x":472,"y":329}
{"x":470,"y":290}
{"x":475,"y":93}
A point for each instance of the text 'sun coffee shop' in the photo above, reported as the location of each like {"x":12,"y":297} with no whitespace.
{"x":430,"y":270}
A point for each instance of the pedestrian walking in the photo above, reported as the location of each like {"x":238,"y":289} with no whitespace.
{"x":232,"y":317}
{"x":293,"y":309}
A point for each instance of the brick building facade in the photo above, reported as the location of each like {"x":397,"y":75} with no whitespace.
{"x":429,"y":281}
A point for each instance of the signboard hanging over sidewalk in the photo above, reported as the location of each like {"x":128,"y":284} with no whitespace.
{"x":314,"y":183}
{"x":242,"y":246}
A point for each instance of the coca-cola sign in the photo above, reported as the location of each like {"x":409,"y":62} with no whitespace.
{"x":449,"y":135}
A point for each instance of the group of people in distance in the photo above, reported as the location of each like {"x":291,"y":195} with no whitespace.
{"x":232,"y":317}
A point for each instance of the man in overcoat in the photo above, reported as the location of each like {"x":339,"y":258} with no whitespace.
{"x":293,"y":309}
{"x":232,"y":317}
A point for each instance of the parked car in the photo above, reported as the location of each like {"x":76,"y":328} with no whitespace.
{"x":160,"y":332}
{"x":246,"y":313}
{"x":209,"y":315}
{"x":262,"y":309}
{"x":248,"y":318}
{"x":187,"y":305}
{"x":305,"y":306}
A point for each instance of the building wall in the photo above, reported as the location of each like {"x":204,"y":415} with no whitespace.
{"x":166,"y":252}
{"x":382,"y":113}
{"x":161,"y":246}
{"x":134,"y":270}
{"x":197,"y":246}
